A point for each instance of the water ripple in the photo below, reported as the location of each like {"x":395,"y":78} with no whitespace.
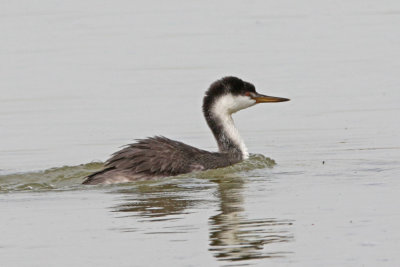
{"x":71,"y":177}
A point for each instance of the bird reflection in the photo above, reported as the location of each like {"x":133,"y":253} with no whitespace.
{"x":234,"y":237}
{"x":157,"y":201}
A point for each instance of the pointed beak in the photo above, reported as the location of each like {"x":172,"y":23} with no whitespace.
{"x":259,"y":98}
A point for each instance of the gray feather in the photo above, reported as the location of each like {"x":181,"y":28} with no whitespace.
{"x":158,"y":157}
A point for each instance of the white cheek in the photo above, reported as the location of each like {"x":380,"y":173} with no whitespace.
{"x":241,"y":102}
{"x":231,"y":104}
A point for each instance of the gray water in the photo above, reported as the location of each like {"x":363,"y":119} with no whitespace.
{"x":79,"y":79}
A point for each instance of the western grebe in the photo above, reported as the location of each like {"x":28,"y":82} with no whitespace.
{"x":159,"y":156}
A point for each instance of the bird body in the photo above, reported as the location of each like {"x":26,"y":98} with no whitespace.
{"x":158,"y":156}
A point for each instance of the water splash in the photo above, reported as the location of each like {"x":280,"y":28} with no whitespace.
{"x":61,"y":178}
{"x":254,"y":162}
{"x":71,"y":177}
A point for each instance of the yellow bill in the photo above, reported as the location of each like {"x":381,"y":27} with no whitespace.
{"x":268,"y":99}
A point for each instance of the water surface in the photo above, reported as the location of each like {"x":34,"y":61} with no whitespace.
{"x":80,"y":79}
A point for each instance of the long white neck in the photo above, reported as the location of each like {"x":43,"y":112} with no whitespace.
{"x":221,"y":123}
{"x":229,"y":135}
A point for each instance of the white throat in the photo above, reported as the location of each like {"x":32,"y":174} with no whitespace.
{"x":223,"y":109}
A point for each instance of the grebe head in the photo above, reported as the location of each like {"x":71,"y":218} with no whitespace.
{"x":230,"y":94}
{"x":224,"y":97}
